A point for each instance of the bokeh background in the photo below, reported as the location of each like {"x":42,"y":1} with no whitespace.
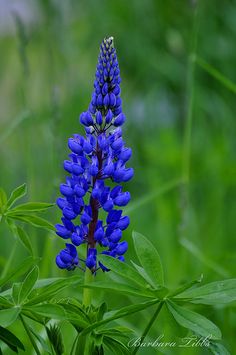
{"x":180,"y":124}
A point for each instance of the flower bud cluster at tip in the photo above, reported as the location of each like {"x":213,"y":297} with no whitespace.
{"x":98,"y":157}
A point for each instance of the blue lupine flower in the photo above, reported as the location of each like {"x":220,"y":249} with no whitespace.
{"x":98,"y":157}
{"x":67,"y":258}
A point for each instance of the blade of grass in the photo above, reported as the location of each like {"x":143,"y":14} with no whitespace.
{"x":14,"y":124}
{"x":191,"y":95}
{"x":193,"y":249}
{"x":216,"y":74}
{"x":154,"y":194}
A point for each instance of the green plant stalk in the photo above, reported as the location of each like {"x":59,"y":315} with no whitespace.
{"x":30,"y":335}
{"x":149,"y":325}
{"x":216,"y":74}
{"x":74,"y":345}
{"x":191,"y":97}
{"x":87,"y":294}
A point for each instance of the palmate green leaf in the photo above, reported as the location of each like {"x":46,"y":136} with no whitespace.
{"x":33,"y":220}
{"x":35,"y":317}
{"x":120,"y":313}
{"x":123,"y":270}
{"x":10,"y":339}
{"x":194,"y":321}
{"x":16,"y":194}
{"x":30,"y":207}
{"x":28,"y":284}
{"x":24,"y":238}
{"x":149,"y":259}
{"x":213,"y":293}
{"x":5,"y":303}
{"x":51,"y":287}
{"x":8,"y":316}
{"x":19,"y":270}
{"x":120,"y":288}
{"x":48,"y":310}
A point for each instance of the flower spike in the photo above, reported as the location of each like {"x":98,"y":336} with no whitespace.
{"x":96,"y":158}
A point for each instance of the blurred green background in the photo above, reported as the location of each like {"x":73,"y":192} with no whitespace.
{"x":180,"y":124}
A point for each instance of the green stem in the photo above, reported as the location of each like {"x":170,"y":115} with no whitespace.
{"x":87,"y":294}
{"x":74,"y":344}
{"x":148,"y":327}
{"x":191,"y":96}
{"x":30,"y":335}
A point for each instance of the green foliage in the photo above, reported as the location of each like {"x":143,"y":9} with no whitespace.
{"x":214,"y":293}
{"x":8,"y":316}
{"x":25,"y":239}
{"x":11,"y":340}
{"x":16,"y":194}
{"x":23,"y":212}
{"x":19,"y":270}
{"x":36,"y":300}
{"x":194,"y":321}
{"x":55,"y":338}
{"x":27,"y":285}
{"x":123,"y":270}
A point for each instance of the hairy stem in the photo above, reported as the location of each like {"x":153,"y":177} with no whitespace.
{"x":149,"y":325}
